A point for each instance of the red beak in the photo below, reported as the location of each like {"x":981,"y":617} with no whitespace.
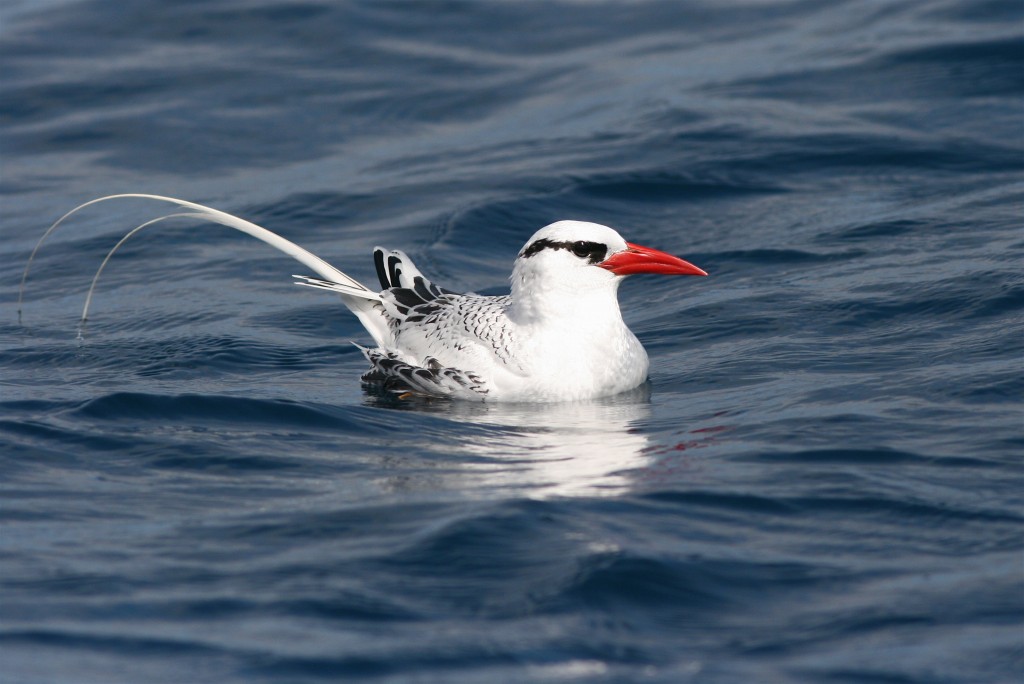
{"x":637,"y":259}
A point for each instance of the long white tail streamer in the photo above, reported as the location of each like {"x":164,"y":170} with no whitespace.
{"x":133,"y":231}
{"x":363,"y":302}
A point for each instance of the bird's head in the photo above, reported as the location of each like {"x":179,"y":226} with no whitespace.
{"x":571,"y":264}
{"x":581,"y":255}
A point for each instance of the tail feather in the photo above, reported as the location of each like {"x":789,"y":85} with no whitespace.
{"x":363,"y":302}
{"x":341,"y":288}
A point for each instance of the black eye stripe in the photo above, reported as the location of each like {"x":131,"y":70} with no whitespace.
{"x":594,"y":252}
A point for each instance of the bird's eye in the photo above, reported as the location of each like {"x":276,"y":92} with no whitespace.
{"x":582,"y":249}
{"x":593,"y":252}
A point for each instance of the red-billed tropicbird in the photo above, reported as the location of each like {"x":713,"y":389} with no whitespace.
{"x":558,"y":336}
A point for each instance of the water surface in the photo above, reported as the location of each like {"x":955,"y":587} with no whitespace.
{"x":820,"y":483}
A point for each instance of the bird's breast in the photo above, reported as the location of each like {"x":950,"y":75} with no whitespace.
{"x":576,"y":363}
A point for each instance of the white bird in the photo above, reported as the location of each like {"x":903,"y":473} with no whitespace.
{"x":558,"y":336}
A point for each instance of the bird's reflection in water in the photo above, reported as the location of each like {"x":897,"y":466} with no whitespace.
{"x":585,"y":448}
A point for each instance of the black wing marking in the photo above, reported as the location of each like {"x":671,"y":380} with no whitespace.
{"x":409,"y":287}
{"x":389,"y":268}
{"x":382,"y":272}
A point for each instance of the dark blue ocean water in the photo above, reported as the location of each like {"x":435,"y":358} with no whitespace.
{"x":821,"y":483}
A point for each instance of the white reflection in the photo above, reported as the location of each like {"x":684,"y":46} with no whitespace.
{"x":570,"y":449}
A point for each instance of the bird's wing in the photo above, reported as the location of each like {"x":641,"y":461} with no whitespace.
{"x":441,"y":342}
{"x":466,"y":331}
{"x":393,"y":374}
